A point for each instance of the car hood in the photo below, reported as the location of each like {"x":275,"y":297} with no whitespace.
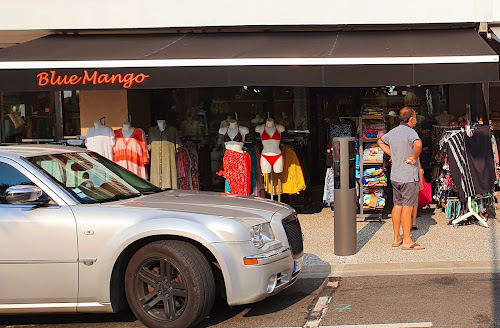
{"x":209,"y":203}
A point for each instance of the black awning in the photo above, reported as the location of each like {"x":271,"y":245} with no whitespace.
{"x":319,"y":59}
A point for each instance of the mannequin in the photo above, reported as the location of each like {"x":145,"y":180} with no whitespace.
{"x":127,"y":130}
{"x":284,"y":120}
{"x":271,"y":159}
{"x":163,"y":141}
{"x":162,"y":125}
{"x":130,"y":149}
{"x":257,"y":119}
{"x":236,"y":162}
{"x":226,"y":122}
{"x":101,"y":139}
{"x":231,"y":139}
{"x":444,"y":118}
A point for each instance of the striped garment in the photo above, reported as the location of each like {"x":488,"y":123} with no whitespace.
{"x":459,"y":165}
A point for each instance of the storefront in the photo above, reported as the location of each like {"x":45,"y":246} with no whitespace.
{"x":58,"y":86}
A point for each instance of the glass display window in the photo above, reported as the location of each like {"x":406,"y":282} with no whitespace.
{"x":71,"y":112}
{"x":27,"y":116}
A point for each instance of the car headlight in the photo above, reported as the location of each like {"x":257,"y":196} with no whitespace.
{"x":261,"y":234}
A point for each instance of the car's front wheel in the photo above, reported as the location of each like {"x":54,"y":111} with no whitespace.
{"x":169,"y":283}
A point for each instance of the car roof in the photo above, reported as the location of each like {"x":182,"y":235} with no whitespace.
{"x":30,"y":150}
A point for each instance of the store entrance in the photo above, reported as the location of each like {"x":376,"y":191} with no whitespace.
{"x":201,"y":118}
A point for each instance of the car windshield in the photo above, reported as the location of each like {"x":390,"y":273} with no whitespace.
{"x":92,"y":178}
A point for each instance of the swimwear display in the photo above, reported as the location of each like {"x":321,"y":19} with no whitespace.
{"x":265,"y":136}
{"x":238,"y":137}
{"x":271,"y":159}
{"x":237,"y":171}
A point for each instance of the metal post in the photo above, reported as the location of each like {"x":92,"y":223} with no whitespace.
{"x":279,"y":187}
{"x":272,"y":185}
{"x":345,"y":234}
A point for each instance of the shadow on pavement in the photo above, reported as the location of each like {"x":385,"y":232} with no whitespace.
{"x":221,"y":312}
{"x":424,"y":221}
{"x":367,"y":232}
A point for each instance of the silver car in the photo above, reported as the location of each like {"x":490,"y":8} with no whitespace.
{"x":79,"y":233}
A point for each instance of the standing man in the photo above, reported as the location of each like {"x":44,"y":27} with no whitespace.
{"x":403,"y":144}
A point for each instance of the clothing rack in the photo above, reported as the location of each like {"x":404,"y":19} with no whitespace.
{"x":471,"y":211}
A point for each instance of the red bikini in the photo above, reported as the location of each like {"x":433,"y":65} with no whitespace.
{"x":271,"y":158}
{"x":265,"y":136}
{"x":276,"y":136}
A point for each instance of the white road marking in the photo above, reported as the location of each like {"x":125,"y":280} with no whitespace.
{"x":379,"y":325}
{"x":320,"y":307}
{"x":387,"y":325}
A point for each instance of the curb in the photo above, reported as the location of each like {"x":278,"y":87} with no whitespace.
{"x":399,"y":269}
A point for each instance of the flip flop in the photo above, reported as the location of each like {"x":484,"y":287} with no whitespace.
{"x":414,"y":228}
{"x":414,"y":247}
{"x":397,"y":245}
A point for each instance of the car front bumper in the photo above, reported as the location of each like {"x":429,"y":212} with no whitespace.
{"x":268,"y":274}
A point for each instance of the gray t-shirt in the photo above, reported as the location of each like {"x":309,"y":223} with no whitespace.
{"x":400,"y":140}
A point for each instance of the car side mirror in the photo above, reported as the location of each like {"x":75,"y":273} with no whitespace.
{"x":22,"y":194}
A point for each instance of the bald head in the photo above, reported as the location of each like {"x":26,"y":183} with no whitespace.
{"x":405,"y":114}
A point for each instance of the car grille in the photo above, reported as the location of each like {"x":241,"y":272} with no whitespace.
{"x":294,"y":234}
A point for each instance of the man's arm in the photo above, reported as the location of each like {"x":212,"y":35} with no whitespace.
{"x":384,"y":147}
{"x":417,"y":149}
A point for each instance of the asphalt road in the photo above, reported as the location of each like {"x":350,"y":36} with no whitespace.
{"x":459,"y":300}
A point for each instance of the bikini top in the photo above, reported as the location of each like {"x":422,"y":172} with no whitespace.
{"x":265,"y":136}
{"x":238,"y":137}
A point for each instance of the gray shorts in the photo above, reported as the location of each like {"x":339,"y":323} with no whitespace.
{"x":405,"y":194}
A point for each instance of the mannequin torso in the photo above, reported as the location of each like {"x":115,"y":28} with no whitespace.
{"x":127,"y":130}
{"x":101,"y":138}
{"x":270,"y":134}
{"x":234,"y":136}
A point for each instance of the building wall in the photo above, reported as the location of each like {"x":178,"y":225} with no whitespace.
{"x":96,"y":104}
{"x":98,"y":14}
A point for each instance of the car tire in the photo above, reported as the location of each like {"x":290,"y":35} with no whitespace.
{"x":169,"y":284}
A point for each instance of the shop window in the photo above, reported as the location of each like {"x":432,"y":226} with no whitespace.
{"x":27,"y":116}
{"x":71,"y":112}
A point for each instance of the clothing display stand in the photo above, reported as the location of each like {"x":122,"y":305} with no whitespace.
{"x":469,"y":214}
{"x":469,"y":199}
{"x":279,"y":187}
{"x":362,"y":164}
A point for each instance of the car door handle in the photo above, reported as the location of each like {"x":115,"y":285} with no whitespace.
{"x":87,"y":262}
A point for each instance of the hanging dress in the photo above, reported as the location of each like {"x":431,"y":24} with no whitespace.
{"x":131,"y":153}
{"x":163,"y":146}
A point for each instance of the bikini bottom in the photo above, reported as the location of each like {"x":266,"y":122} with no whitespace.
{"x":271,"y":159}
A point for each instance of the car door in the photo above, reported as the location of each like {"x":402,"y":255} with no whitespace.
{"x":38,"y":246}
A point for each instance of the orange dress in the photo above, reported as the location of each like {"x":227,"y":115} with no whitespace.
{"x":131,"y":153}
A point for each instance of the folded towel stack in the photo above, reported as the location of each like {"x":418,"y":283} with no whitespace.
{"x":373,"y":153}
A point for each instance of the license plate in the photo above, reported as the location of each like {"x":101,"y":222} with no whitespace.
{"x":297,"y":265}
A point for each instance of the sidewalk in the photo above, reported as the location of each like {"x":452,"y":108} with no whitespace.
{"x":466,"y":249}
